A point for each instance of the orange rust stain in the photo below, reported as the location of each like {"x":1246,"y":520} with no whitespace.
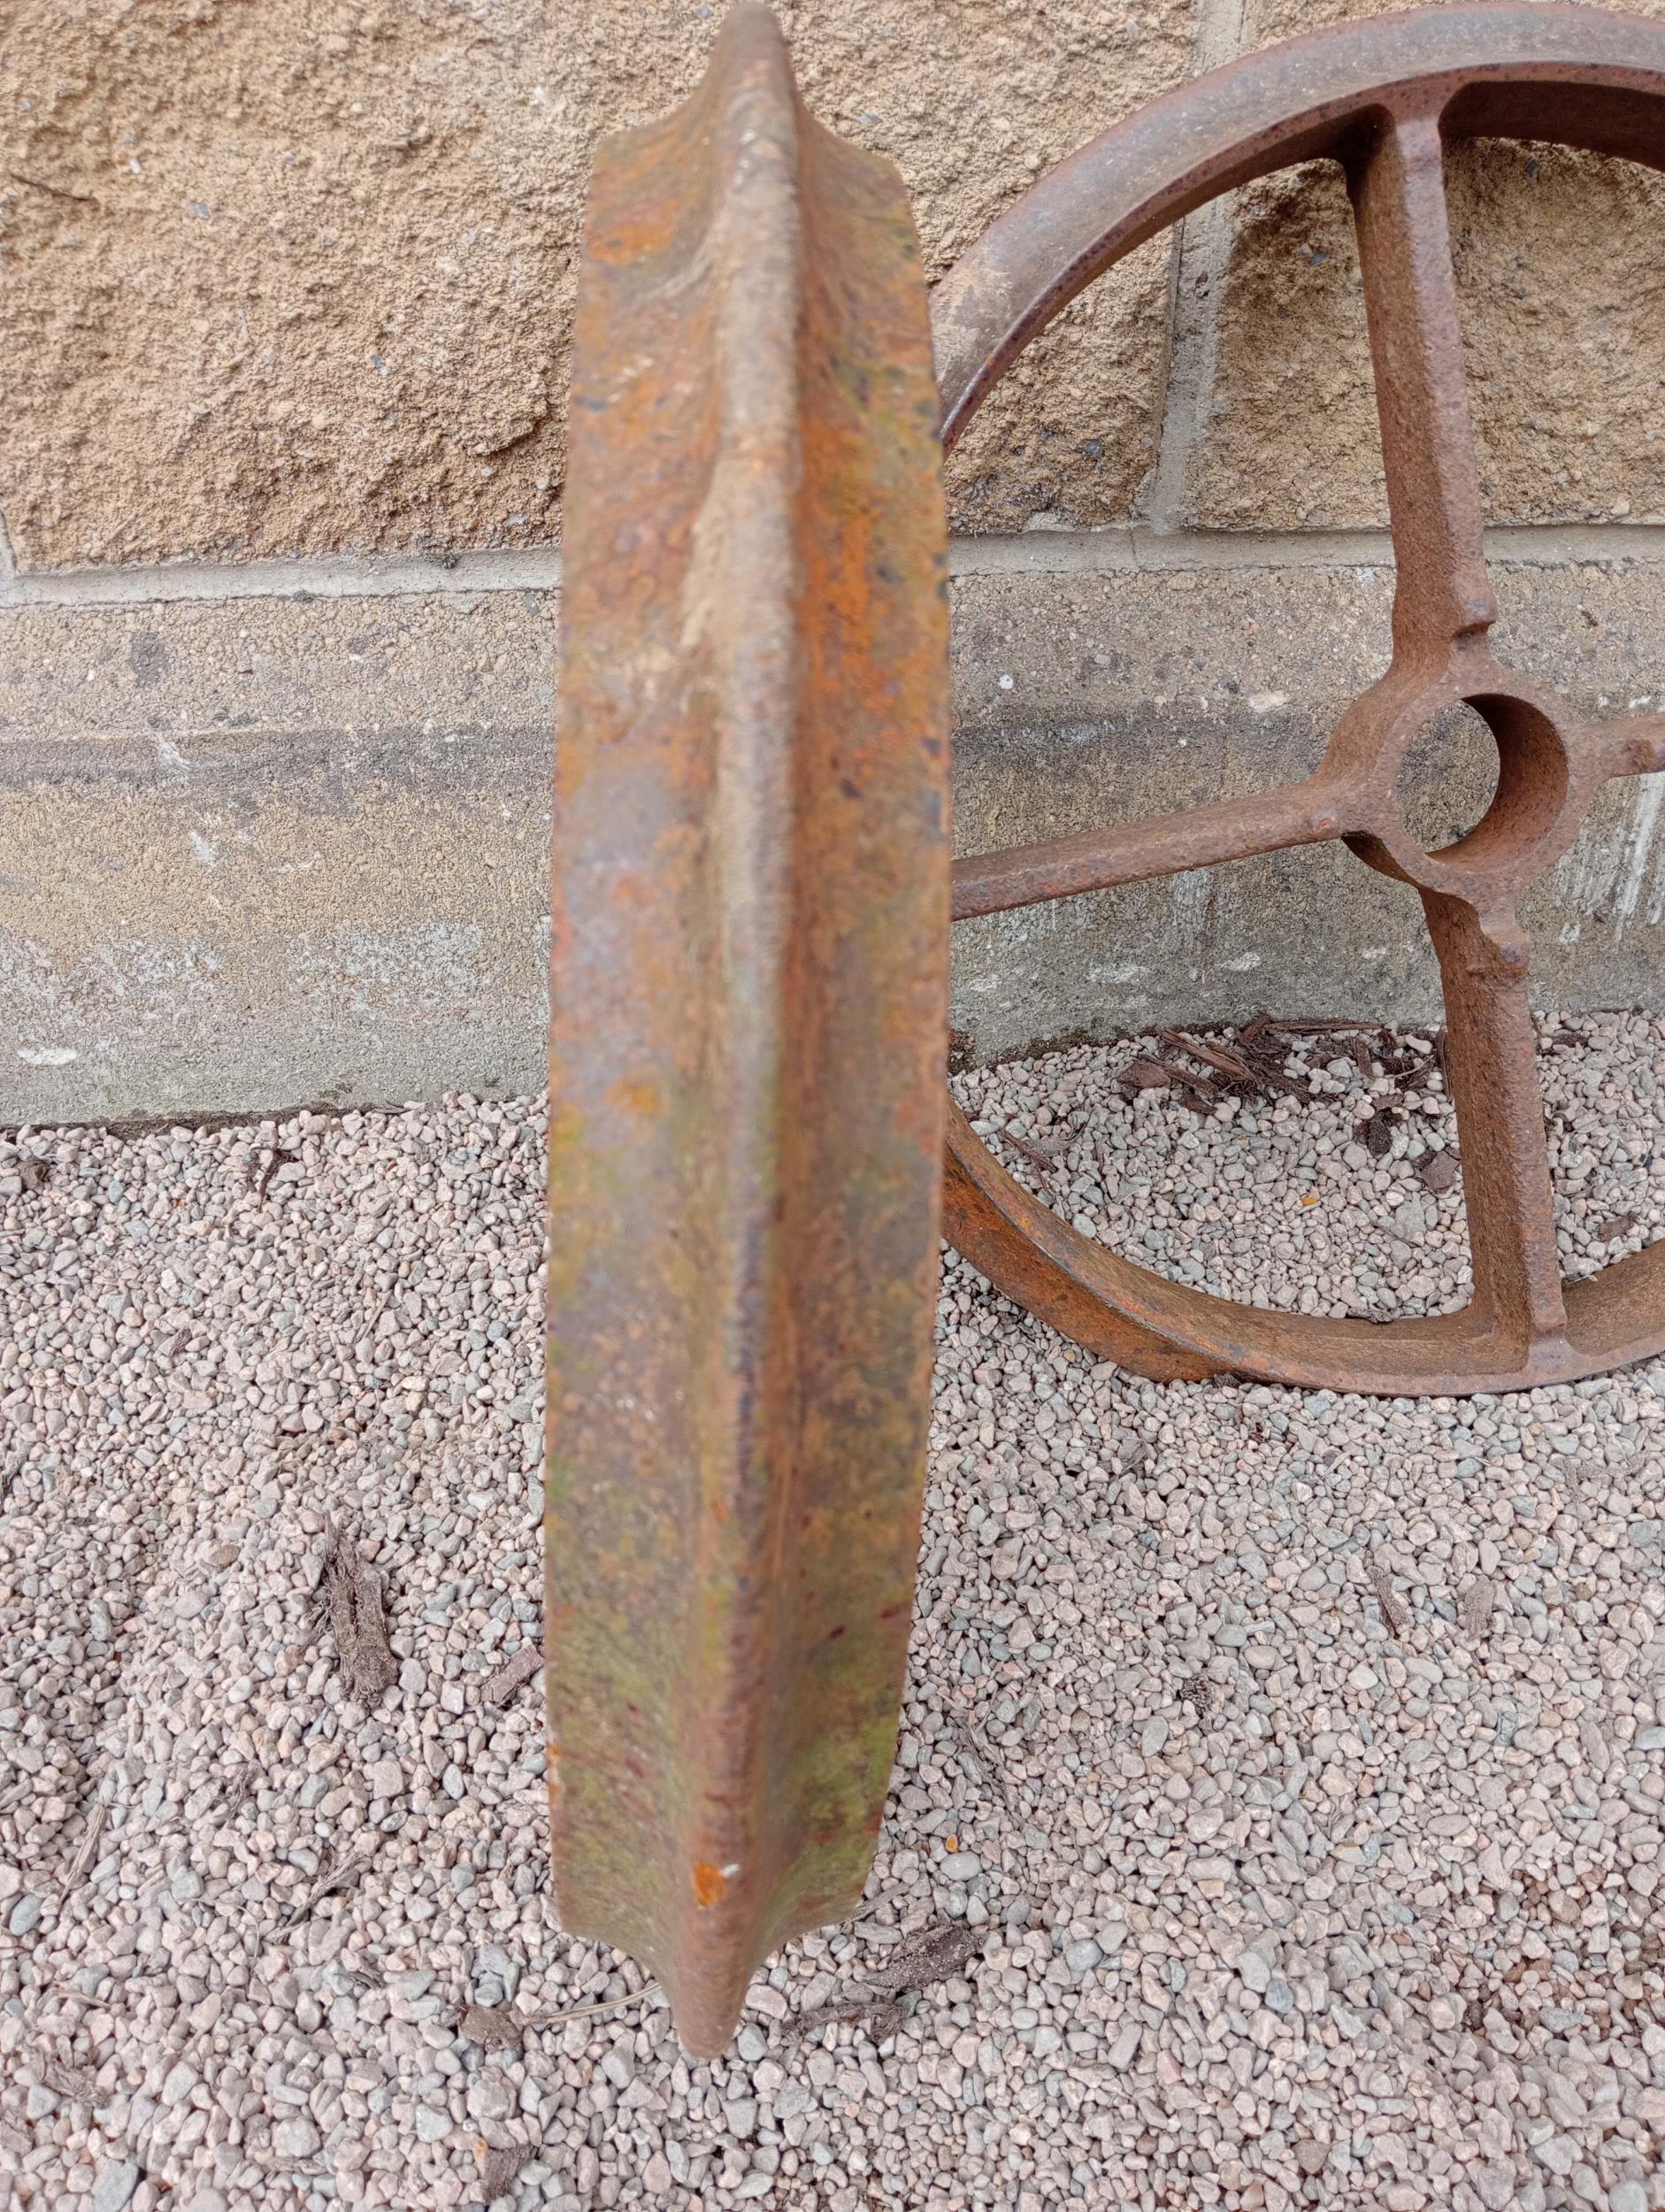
{"x":633,"y":1095}
{"x":709,"y":1882}
{"x":719,"y":1510}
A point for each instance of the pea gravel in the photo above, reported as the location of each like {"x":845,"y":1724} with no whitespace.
{"x":1297,"y":1758}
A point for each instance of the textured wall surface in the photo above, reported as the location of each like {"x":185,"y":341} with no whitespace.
{"x":275,"y":850}
{"x":297,"y":275}
{"x":1562,"y":287}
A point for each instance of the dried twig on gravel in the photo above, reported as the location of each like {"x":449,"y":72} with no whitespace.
{"x":593,"y":2012}
{"x":498,"y":1688}
{"x":339,"y":1879}
{"x":1442,"y":1056}
{"x":880,"y":2015}
{"x":353,"y":1591}
{"x":1043,"y":1155}
{"x":1249,"y":1070}
{"x":1153,"y":1074}
{"x":1333,"y":1026}
{"x":934,"y":1954}
{"x":88,"y":1848}
{"x":493,"y":2027}
{"x":74,"y":2081}
{"x":1395,"y":1617}
{"x":498,"y":2166}
{"x":260,"y":1178}
{"x":1231,"y":1064}
{"x":974,"y":1746}
{"x":1475,"y":1606}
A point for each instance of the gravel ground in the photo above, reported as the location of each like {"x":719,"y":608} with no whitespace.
{"x":1297,"y":1760}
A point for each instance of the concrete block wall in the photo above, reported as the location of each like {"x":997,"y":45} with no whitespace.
{"x":282,"y":324}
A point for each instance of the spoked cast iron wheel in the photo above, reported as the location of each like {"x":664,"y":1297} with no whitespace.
{"x":751,"y":902}
{"x":1383,"y":99}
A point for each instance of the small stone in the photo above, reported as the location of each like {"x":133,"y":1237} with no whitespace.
{"x":294,"y":2138}
{"x":1558,"y":2155}
{"x":432,"y":2126}
{"x":1082,"y":1956}
{"x":114,"y":2186}
{"x":1492,"y":1869}
{"x":385,"y":1779}
{"x":490,"y":2098}
{"x":656,"y":2178}
{"x":1255,"y":1973}
{"x":26,"y":1917}
{"x":1627,"y":2196}
{"x":180,"y":2081}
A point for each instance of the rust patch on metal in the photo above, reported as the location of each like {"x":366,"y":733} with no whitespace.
{"x":750,"y":917}
{"x":709,"y":1882}
{"x":1382,"y":98}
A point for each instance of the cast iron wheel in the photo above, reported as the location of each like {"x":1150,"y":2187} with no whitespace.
{"x":749,"y":963}
{"x":1382,"y":98}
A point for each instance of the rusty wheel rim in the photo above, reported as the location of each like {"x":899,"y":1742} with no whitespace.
{"x":749,"y":956}
{"x":1382,"y":98}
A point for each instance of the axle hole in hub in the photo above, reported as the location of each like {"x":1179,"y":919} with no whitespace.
{"x":1449,"y":779}
{"x":1485,"y":778}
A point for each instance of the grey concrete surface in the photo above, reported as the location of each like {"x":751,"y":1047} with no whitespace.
{"x":261,"y":851}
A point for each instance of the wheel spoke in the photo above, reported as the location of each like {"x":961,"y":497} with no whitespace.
{"x":1433,"y":486}
{"x":1491,"y":1056}
{"x":1138,"y":852}
{"x":1635,"y":746}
